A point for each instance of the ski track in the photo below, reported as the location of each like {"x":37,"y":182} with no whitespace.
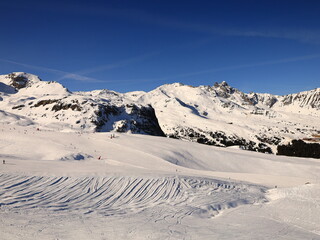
{"x":122,"y":195}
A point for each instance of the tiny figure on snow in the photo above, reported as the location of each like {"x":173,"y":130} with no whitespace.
{"x":99,"y":158}
{"x":3,"y":161}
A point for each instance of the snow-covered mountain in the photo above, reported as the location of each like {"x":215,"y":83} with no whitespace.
{"x":216,"y":115}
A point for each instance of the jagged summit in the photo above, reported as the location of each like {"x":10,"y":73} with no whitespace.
{"x":222,"y":84}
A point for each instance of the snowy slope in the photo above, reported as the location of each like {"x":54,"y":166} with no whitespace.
{"x":53,"y":186}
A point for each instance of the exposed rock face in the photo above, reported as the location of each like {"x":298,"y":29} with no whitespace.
{"x":223,"y":89}
{"x":218,"y":138}
{"x":299,"y":148}
{"x":18,"y":81}
{"x":61,"y":106}
{"x":304,"y":99}
{"x":140,"y":119}
{"x":127,"y":118}
{"x":45,"y":102}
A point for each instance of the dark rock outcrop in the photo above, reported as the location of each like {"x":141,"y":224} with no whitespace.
{"x":18,"y":81}
{"x":218,"y":138}
{"x":130,"y":117}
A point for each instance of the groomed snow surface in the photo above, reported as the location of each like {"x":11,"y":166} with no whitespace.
{"x":58,"y":185}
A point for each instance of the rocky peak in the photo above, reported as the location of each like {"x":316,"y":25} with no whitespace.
{"x":20,"y":80}
{"x":222,"y":84}
{"x":223,"y":89}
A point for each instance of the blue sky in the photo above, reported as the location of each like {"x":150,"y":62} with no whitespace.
{"x":124,"y":45}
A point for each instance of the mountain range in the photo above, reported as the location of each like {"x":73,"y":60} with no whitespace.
{"x":218,"y":115}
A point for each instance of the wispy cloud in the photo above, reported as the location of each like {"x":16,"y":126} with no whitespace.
{"x":234,"y":67}
{"x":33,"y":66}
{"x":305,"y":35}
{"x":311,"y":36}
{"x":105,"y":67}
{"x":80,"y":78}
{"x":80,"y":75}
{"x":55,"y":71}
{"x":250,"y":65}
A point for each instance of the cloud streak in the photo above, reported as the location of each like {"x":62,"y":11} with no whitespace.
{"x":305,"y":36}
{"x":311,"y":36}
{"x":78,"y":75}
{"x":272,"y":62}
{"x":235,"y":67}
{"x":55,"y":71}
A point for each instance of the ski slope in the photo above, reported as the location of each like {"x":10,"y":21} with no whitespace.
{"x":75,"y":185}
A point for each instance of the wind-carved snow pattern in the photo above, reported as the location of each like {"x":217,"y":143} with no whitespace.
{"x":122,"y":195}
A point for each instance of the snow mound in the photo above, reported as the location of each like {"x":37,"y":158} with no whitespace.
{"x":300,"y":206}
{"x":14,"y":119}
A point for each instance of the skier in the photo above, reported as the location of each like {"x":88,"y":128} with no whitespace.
{"x":3,"y":161}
